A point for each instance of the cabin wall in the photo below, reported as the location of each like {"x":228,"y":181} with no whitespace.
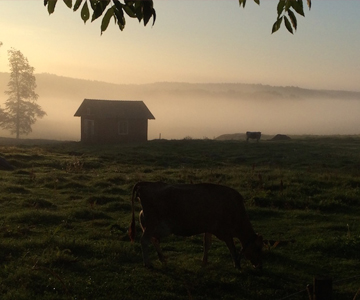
{"x":101,"y":130}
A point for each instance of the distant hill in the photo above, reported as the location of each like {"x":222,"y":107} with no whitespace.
{"x":249,"y":91}
{"x":50,"y":85}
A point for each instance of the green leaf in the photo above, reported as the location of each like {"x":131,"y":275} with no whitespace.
{"x":154,"y":17}
{"x":288,"y":24}
{"x":148,"y":11}
{"x":138,"y":11}
{"x":98,"y":8}
{"x":277,"y":25}
{"x":85,"y":13}
{"x":77,"y":5}
{"x":292,"y":18}
{"x":288,"y":4}
{"x":119,"y":16}
{"x":242,"y":2}
{"x":280,"y":7}
{"x":298,"y":6}
{"x":130,"y":11}
{"x":106,"y":19}
{"x":46,"y":2}
{"x":68,"y":3}
{"x":118,"y":5}
{"x":93,"y":4}
{"x":257,"y":2}
{"x":122,"y":26}
{"x":309,"y":4}
{"x":51,"y":6}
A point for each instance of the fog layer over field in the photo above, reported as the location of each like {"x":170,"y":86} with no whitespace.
{"x":199,"y":110}
{"x":200,"y":118}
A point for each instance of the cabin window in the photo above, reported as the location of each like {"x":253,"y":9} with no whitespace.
{"x":123,"y":127}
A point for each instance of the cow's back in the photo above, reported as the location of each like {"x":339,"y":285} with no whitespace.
{"x":188,"y":209}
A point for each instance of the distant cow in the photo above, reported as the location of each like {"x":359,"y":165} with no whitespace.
{"x":190,"y":209}
{"x":255,"y":135}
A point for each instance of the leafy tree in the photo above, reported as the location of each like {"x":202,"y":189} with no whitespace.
{"x":21,"y":110}
{"x":143,"y":10}
{"x":2,"y":115}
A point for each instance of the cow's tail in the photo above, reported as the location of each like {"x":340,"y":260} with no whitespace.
{"x":132,"y":229}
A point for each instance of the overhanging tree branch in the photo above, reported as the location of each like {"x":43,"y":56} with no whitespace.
{"x":110,"y":9}
{"x":143,"y":10}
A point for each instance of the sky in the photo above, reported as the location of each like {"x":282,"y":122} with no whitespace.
{"x":193,"y":41}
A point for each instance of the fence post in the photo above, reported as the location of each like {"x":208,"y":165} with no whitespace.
{"x":322,"y":288}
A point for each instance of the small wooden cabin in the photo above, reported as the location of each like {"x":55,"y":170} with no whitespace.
{"x":113,"y":121}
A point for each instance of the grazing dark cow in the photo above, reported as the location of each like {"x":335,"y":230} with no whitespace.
{"x":255,"y":135}
{"x":190,"y":209}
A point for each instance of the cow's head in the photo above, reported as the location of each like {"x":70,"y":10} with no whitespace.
{"x":253,"y":251}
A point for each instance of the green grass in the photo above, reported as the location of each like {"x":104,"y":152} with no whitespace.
{"x":65,"y":212}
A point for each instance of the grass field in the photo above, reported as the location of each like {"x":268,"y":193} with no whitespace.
{"x":65,"y":211}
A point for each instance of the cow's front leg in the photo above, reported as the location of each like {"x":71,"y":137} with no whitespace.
{"x":235,"y":256}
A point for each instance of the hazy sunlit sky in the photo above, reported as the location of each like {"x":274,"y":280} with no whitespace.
{"x":191,"y":41}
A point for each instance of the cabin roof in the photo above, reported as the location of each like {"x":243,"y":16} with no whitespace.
{"x":114,"y":108}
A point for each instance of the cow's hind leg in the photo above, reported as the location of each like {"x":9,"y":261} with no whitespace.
{"x":156,"y":244}
{"x":145,"y":240}
{"x":161,"y":230}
